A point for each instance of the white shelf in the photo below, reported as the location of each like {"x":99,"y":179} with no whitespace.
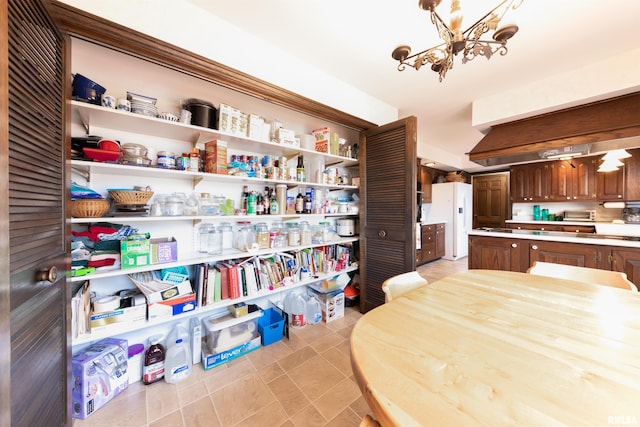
{"x":95,"y":115}
{"x":196,"y":258}
{"x":117,"y":329}
{"x":198,"y":218}
{"x":88,"y":167}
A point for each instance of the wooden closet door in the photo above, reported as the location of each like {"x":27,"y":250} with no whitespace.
{"x":33,"y":221}
{"x":389,"y":219}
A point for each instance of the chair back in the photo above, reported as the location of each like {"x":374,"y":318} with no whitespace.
{"x":615,"y":279}
{"x":400,"y":284}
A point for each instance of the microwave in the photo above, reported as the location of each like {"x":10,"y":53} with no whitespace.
{"x":579,"y":215}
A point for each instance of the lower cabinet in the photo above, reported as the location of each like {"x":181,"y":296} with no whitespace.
{"x":498,"y":253}
{"x":432,"y":243}
{"x":495,"y":253}
{"x":566,"y":253}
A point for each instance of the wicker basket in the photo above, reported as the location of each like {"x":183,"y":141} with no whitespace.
{"x":130,"y":197}
{"x":89,"y":208}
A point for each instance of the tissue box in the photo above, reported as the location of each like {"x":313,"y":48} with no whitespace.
{"x":99,"y":373}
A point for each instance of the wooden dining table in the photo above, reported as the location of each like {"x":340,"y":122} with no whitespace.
{"x":498,"y":348}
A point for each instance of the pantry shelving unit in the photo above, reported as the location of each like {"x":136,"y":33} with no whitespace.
{"x":91,"y":116}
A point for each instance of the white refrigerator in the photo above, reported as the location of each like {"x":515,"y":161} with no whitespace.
{"x":451,"y":203}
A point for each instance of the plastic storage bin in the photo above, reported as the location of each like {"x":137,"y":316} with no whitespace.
{"x":270,"y":326}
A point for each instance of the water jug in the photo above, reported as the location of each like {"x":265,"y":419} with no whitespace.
{"x":314,"y":311}
{"x":177,"y":365}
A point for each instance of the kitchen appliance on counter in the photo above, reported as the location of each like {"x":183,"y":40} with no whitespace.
{"x":451,"y":203}
{"x":579,"y":215}
{"x":345,"y":227}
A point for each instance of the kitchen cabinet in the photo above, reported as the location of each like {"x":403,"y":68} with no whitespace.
{"x":530,"y":182}
{"x":440,"y":230}
{"x":632,"y":176}
{"x":566,"y":253}
{"x":494,"y":253}
{"x":425,"y":179}
{"x":626,"y":260}
{"x":432,"y":242}
{"x":610,"y":186}
{"x":573,"y":179}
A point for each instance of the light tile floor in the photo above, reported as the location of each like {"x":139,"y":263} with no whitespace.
{"x":304,"y":381}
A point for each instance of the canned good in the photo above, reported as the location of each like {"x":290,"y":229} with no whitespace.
{"x":166,"y":159}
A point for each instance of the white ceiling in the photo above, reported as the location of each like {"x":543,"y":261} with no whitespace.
{"x":353,"y":40}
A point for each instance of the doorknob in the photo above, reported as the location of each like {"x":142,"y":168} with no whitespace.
{"x":48,"y":275}
{"x":382,"y":233}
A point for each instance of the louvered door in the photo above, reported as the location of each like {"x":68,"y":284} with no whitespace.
{"x":34,"y":248}
{"x":389,"y":218}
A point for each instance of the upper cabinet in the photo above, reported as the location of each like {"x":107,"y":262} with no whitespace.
{"x":632,"y":176}
{"x":425,"y":178}
{"x":573,"y":180}
{"x":610,"y":185}
{"x":530,"y":182}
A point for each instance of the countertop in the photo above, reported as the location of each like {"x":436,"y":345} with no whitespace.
{"x":531,"y":221}
{"x":432,"y":222}
{"x":559,"y":236}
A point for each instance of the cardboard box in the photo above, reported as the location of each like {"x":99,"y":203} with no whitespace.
{"x":135,"y":251}
{"x":224,"y":117}
{"x":99,"y":373}
{"x":287,"y":137}
{"x":215,"y":157}
{"x":164,"y":250}
{"x":322,"y":136}
{"x":334,"y":144}
{"x":332,"y":304}
{"x":172,"y":307}
{"x":255,"y":126}
{"x":210,"y":360}
{"x":102,"y":321}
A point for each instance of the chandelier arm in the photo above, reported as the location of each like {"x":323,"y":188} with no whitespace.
{"x":513,"y":5}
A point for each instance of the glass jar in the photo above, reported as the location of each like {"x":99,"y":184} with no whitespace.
{"x":209,"y":204}
{"x":262,"y":235}
{"x":214,"y":241}
{"x":227,"y":235}
{"x":274,"y":233}
{"x":305,"y":233}
{"x":245,"y":236}
{"x":293,"y":235}
{"x":324,"y":232}
{"x":203,"y":236}
{"x":173,"y":205}
{"x":192,"y":204}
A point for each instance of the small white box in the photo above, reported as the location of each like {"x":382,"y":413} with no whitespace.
{"x":332,"y":304}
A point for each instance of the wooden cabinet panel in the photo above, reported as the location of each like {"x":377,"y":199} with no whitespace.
{"x":627,"y":260}
{"x":425,"y":179}
{"x":530,"y":182}
{"x":560,"y":181}
{"x":566,"y":253}
{"x":632,"y":176}
{"x":610,"y":185}
{"x":573,"y":179}
{"x":440,"y":230}
{"x":495,"y":253}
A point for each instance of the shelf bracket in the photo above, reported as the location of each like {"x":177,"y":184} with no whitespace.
{"x":83,"y":172}
{"x":195,"y":139}
{"x":197,"y":179}
{"x":85,"y":119}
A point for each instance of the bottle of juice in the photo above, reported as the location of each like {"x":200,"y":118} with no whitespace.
{"x":153,"y":369}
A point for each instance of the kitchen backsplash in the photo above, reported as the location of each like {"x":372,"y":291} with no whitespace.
{"x":524,"y":211}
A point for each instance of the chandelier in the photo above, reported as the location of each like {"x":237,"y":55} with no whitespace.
{"x":455,"y":41}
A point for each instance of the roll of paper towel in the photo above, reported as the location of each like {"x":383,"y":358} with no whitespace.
{"x":614,"y":205}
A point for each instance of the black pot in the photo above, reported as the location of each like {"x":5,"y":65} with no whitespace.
{"x":203,"y":114}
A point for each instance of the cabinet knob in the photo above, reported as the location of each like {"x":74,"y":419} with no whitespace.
{"x":514,"y":245}
{"x":534,"y":247}
{"x":541,"y":228}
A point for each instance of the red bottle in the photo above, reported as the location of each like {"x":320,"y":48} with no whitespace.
{"x":153,"y":369}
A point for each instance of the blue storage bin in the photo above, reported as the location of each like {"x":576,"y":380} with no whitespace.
{"x":270,"y":326}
